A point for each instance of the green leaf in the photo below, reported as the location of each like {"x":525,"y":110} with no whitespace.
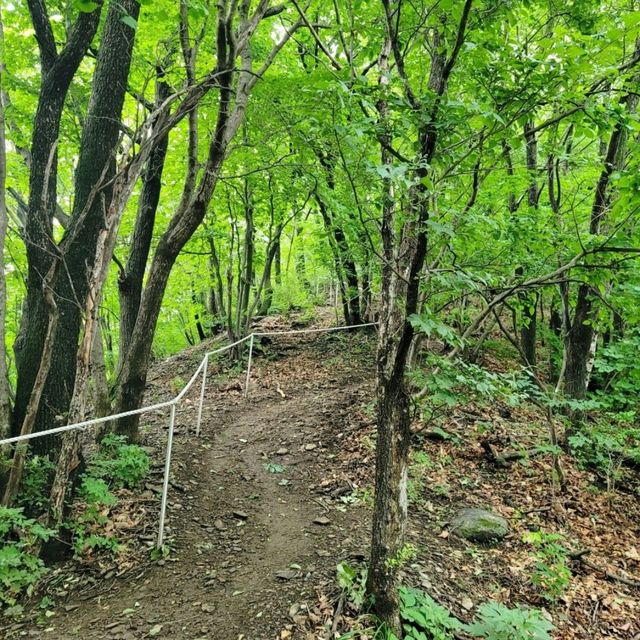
{"x":130,"y":21}
{"x":85,"y":6}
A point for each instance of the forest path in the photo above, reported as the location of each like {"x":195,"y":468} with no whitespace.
{"x":252,"y":533}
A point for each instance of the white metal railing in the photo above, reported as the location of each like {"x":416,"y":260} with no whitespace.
{"x":172,"y":404}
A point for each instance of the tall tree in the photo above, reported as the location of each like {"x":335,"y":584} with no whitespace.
{"x":5,"y":390}
{"x":404,"y":255}
{"x":92,"y":193}
{"x":235,"y":28}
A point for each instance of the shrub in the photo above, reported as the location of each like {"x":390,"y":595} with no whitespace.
{"x":121,"y":465}
{"x":551,"y":574}
{"x":88,"y":522}
{"x":353,"y":583}
{"x":20,"y":566}
{"x":424,"y":618}
{"x":497,"y":622}
{"x":37,"y":477}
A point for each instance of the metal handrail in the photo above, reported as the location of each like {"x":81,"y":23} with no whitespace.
{"x":202,"y":368}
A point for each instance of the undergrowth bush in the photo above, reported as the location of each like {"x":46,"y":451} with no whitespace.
{"x":121,"y":465}
{"x":36,"y":480}
{"x":551,"y":573}
{"x":91,"y":515}
{"x":20,"y":566}
{"x":424,"y":619}
{"x":116,"y":465}
{"x":495,"y":621}
{"x":606,"y":443}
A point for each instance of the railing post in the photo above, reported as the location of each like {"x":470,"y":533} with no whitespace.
{"x":246,"y":386}
{"x":204,"y":384}
{"x":165,"y":484}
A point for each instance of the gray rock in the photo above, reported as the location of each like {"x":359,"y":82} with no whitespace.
{"x":479,"y":525}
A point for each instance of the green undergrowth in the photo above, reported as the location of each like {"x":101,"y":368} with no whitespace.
{"x":424,"y":619}
{"x":116,"y":466}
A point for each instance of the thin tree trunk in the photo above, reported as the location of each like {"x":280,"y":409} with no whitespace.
{"x":217,"y":306}
{"x":529,"y":300}
{"x":69,"y":457}
{"x":5,"y":390}
{"x":132,"y":276}
{"x":580,"y":335}
{"x":101,"y":400}
{"x":346,"y":271}
{"x":17,"y":464}
{"x":404,"y":257}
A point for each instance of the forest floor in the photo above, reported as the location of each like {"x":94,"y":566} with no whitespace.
{"x":277,"y":491}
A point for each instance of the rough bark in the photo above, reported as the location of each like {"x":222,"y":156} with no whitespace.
{"x":101,"y":399}
{"x":345,"y":265}
{"x":69,"y":456}
{"x":529,"y":300}
{"x":404,"y":255}
{"x":216,"y":292}
{"x":245,"y":268}
{"x":345,"y":268}
{"x":96,"y":166}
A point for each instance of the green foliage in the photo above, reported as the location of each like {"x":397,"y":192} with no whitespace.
{"x":405,"y":554}
{"x":497,"y":622}
{"x":38,"y":474}
{"x":617,"y":368}
{"x":121,"y":465}
{"x":551,"y":573}
{"x":421,"y":464}
{"x":274,"y":467}
{"x":20,"y":566}
{"x":91,"y":516}
{"x":353,"y":582}
{"x":116,"y":465}
{"x":605,"y":443}
{"x":423,"y":618}
{"x":457,"y":382}
{"x":429,"y":324}
{"x":291,"y":296}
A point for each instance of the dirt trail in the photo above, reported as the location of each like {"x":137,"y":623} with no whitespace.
{"x":243,"y":503}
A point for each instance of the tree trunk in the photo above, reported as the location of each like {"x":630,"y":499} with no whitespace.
{"x":192,"y":209}
{"x":345,"y":267}
{"x":245,"y":268}
{"x":5,"y":390}
{"x":93,"y":190}
{"x":69,"y":457}
{"x":404,"y":255}
{"x":216,"y":294}
{"x":580,"y":335}
{"x":528,"y":329}
{"x":133,"y":374}
{"x":278,"y":262}
{"x":131,"y":278}
{"x":101,"y":400}
{"x":529,"y":300}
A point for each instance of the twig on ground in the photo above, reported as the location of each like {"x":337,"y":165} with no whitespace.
{"x":580,"y":556}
